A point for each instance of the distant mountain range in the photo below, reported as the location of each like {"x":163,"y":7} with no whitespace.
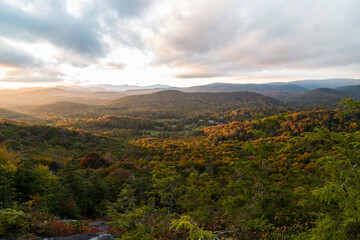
{"x":228,"y":87}
{"x":292,"y":86}
{"x":322,"y":96}
{"x":36,"y":96}
{"x":324,"y":83}
{"x":26,"y":100}
{"x":325,"y":96}
{"x":158,"y":105}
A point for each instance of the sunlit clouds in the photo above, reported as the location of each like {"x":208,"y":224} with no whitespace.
{"x":179,"y":43}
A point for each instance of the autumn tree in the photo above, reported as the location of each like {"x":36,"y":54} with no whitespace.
{"x":93,"y":160}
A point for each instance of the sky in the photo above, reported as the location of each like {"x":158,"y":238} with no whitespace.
{"x":176,"y":42}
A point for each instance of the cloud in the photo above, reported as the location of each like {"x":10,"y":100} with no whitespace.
{"x":82,"y":32}
{"x":35,"y":74}
{"x":14,"y":57}
{"x":113,"y":66}
{"x":54,"y":24}
{"x":127,"y":8}
{"x":238,"y":36}
{"x":180,"y":39}
{"x":30,"y":79}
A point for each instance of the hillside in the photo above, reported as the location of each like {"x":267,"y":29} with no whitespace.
{"x":323,"y":83}
{"x":110,"y":122}
{"x":259,"y":88}
{"x":322,"y":96}
{"x":353,"y":91}
{"x":5,"y":113}
{"x":36,"y":96}
{"x":175,"y":104}
{"x":268,"y":179}
{"x":260,"y":177}
{"x":40,"y":142}
{"x":159,"y":105}
{"x":67,"y":109}
{"x":28,"y":97}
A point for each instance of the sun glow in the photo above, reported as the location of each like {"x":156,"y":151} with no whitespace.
{"x":40,"y":50}
{"x":2,"y":71}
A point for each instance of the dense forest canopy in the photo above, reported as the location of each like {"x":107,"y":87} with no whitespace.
{"x":232,"y":166}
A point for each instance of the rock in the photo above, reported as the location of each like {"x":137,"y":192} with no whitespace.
{"x":30,"y":236}
{"x":85,"y":236}
{"x":99,"y":226}
{"x":103,"y":236}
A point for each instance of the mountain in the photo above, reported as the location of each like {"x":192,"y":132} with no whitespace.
{"x":281,"y":95}
{"x":323,"y":96}
{"x":39,"y":141}
{"x":174,"y":98}
{"x":67,"y":109}
{"x":5,"y":113}
{"x":175,"y":104}
{"x":78,"y":88}
{"x":353,"y":91}
{"x":121,"y":88}
{"x":260,"y":88}
{"x":24,"y":99}
{"x":324,"y":83}
{"x":36,"y":96}
{"x":97,"y":94}
{"x":159,"y":105}
{"x":142,"y":91}
{"x":76,"y":94}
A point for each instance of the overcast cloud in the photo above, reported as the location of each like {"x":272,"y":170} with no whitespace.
{"x":178,"y":42}
{"x":15,"y":57}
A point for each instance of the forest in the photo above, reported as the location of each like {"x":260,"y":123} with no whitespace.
{"x":175,"y":165}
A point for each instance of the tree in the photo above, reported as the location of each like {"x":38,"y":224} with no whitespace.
{"x":93,"y":160}
{"x":8,"y":168}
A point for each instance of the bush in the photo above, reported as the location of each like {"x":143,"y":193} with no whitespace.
{"x":195,"y":232}
{"x":13,"y":222}
{"x":64,"y":229}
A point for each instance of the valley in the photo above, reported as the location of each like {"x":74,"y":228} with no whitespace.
{"x":230,"y":164}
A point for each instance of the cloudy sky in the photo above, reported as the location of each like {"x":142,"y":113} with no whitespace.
{"x":176,"y":42}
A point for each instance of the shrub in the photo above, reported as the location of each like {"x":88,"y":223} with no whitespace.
{"x":13,"y":222}
{"x":59,"y":229}
{"x":194,"y":231}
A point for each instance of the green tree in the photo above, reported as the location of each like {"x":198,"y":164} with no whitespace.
{"x":166,"y":181}
{"x":9,"y":166}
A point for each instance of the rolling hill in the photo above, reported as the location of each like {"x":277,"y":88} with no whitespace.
{"x":8,"y":114}
{"x":109,"y":122}
{"x":165,"y":104}
{"x":15,"y":99}
{"x":259,"y":88}
{"x":36,"y":96}
{"x":41,"y":141}
{"x":322,"y":96}
{"x":353,"y":91}
{"x":323,"y":83}
{"x":175,"y":104}
{"x":5,"y":113}
{"x":67,"y":109}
